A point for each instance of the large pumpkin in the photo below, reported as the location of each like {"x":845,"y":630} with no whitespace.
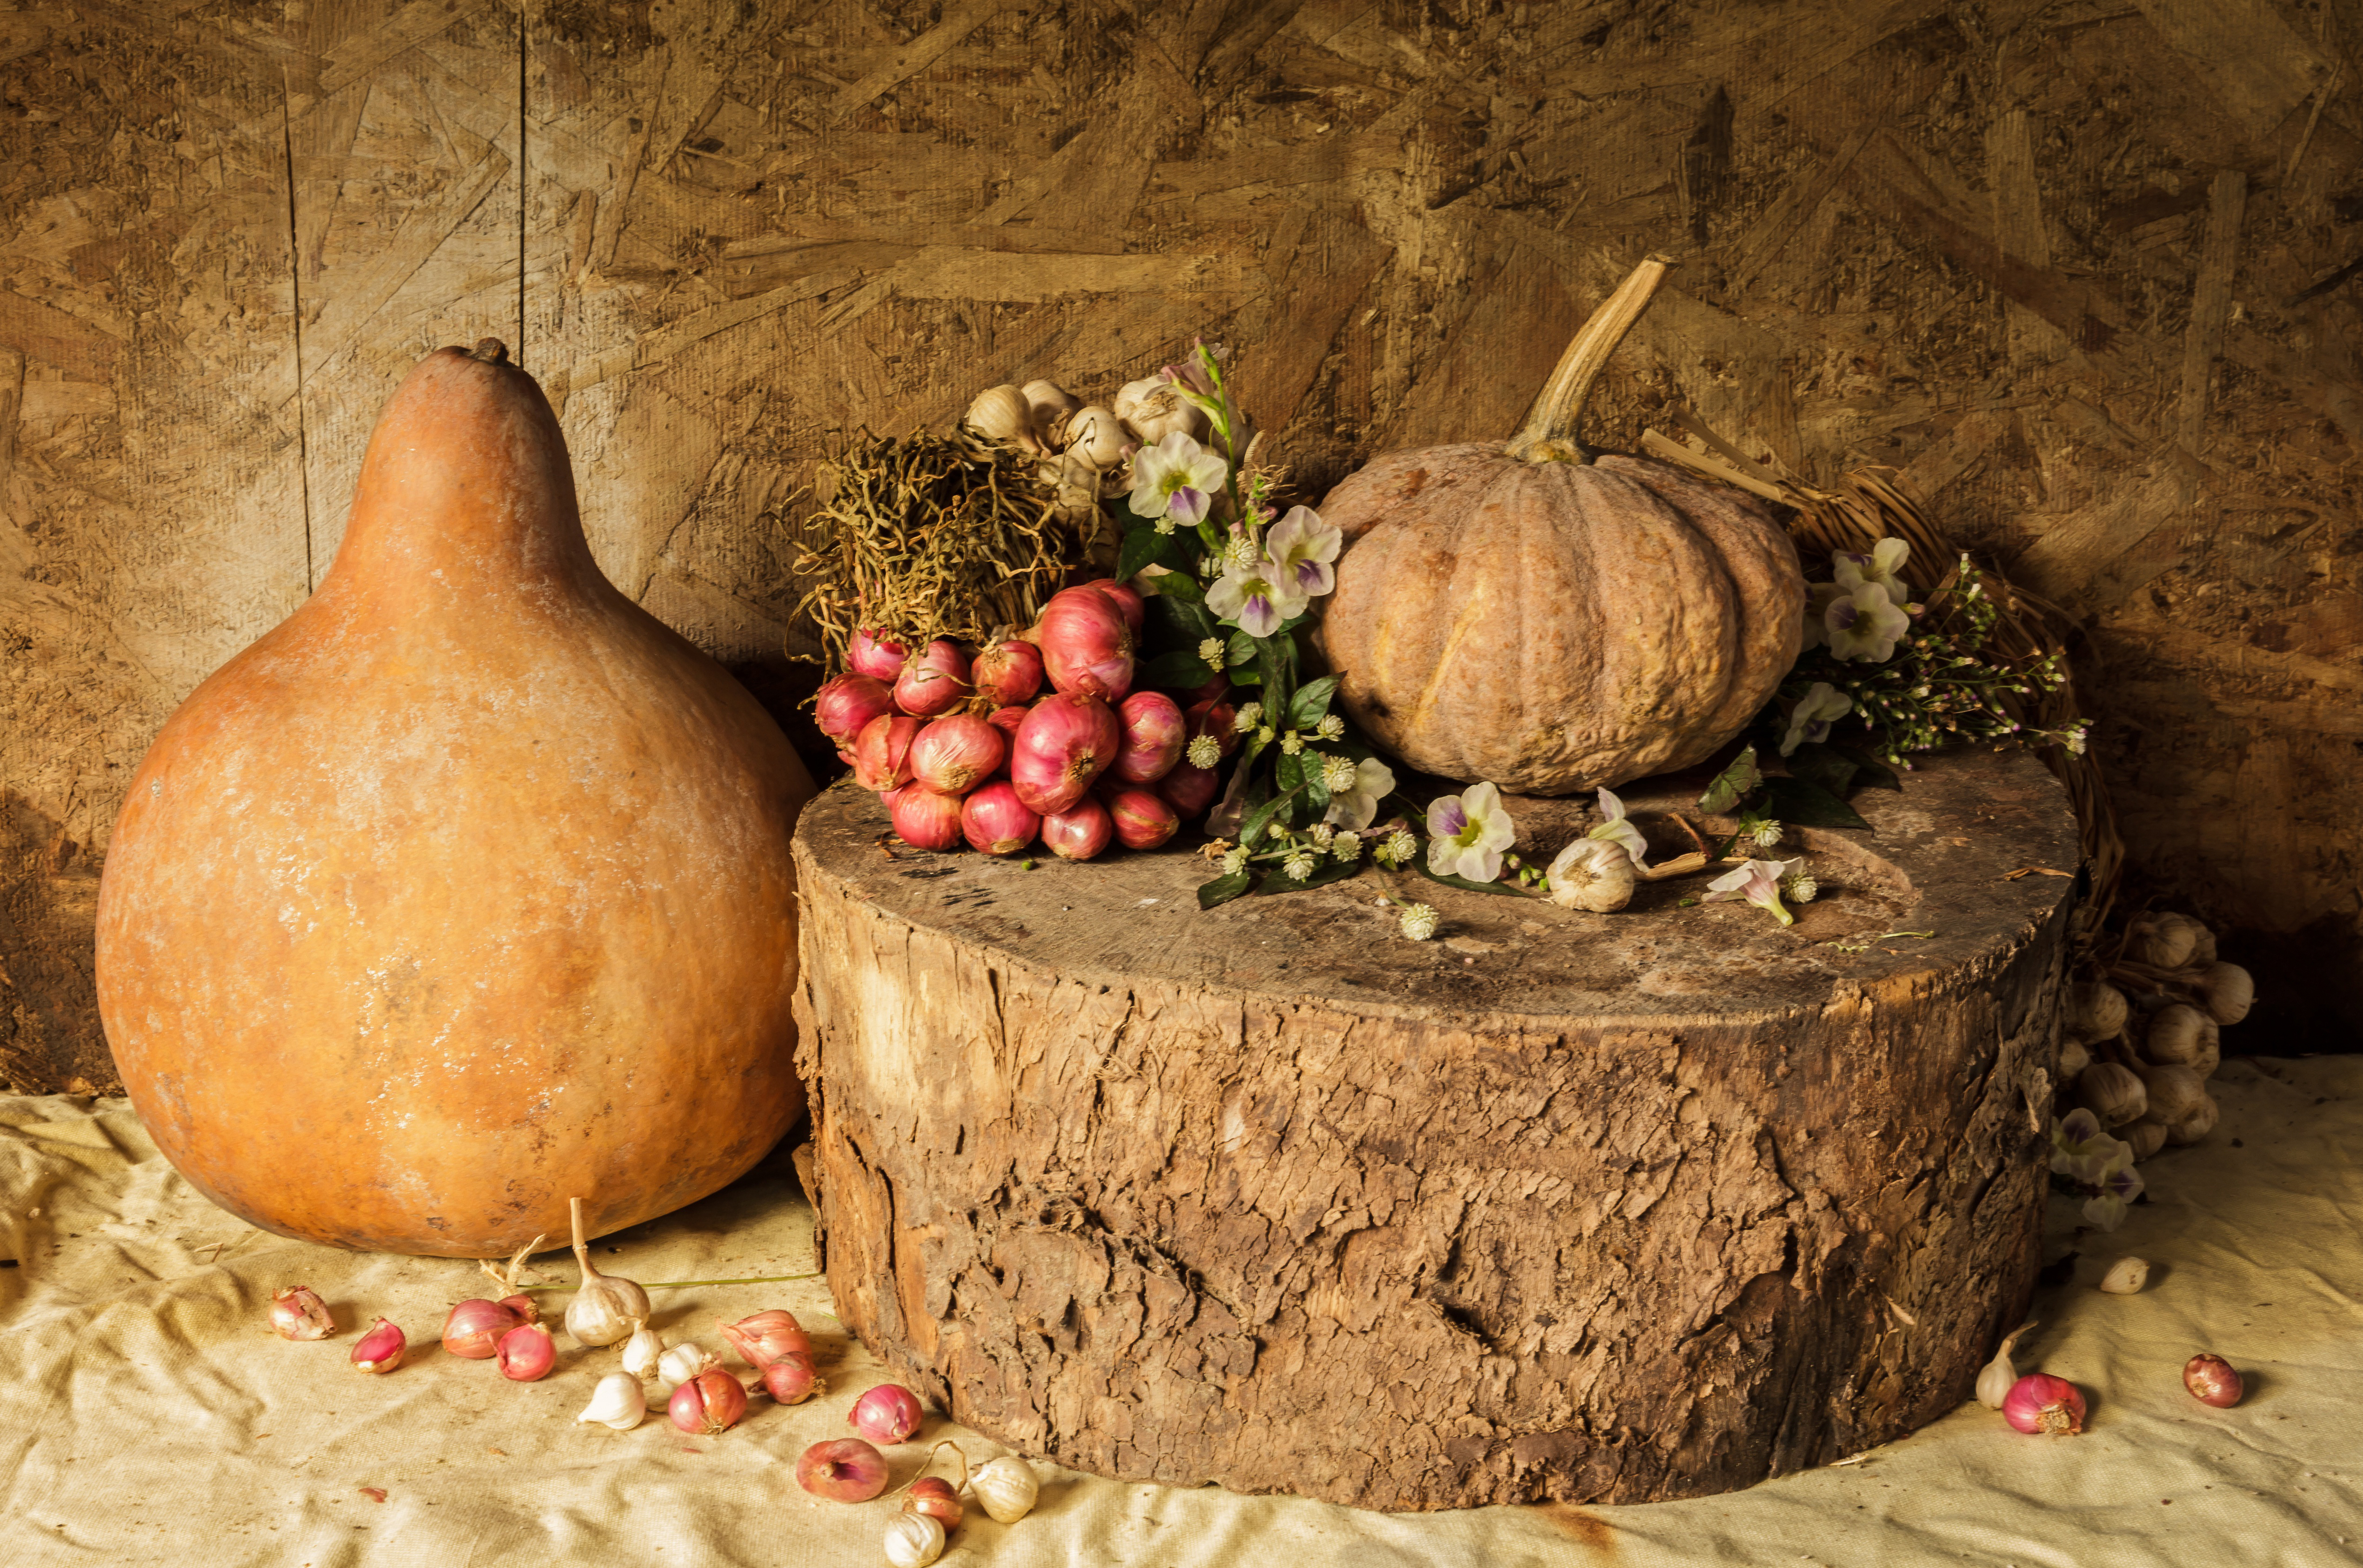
{"x":465,"y":890}
{"x":1519,"y":613}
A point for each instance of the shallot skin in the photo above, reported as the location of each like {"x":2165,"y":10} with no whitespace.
{"x":1086,"y":641}
{"x":935,"y":682}
{"x":844,"y":1470}
{"x":1143,"y":819}
{"x":1189,"y":789}
{"x":2214,"y":1381}
{"x":877,"y":657}
{"x":1082,"y":832}
{"x":1154,"y":735}
{"x":926,"y":820}
{"x":2041,"y":1403}
{"x":1066,"y":742}
{"x":843,"y":705}
{"x":1009,"y":673}
{"x":995,"y":822}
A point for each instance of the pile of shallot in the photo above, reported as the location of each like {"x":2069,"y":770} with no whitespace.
{"x":1036,"y":737}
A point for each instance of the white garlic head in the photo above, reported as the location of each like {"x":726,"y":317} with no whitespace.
{"x":2195,"y":1123}
{"x":1003,"y":413}
{"x":2126,"y":1276}
{"x":2145,"y":1135}
{"x":1050,"y":403}
{"x":2074,"y":1057}
{"x":914,"y":1541}
{"x":2178,"y":1034}
{"x":618,"y":1402}
{"x":1592,"y":874}
{"x":2111,"y":1093}
{"x":2227,"y":992}
{"x":1151,"y":409}
{"x":2162,"y":941}
{"x":2173,"y":1092}
{"x":1098,"y":434}
{"x":604,"y":1310}
{"x":681,"y":1363}
{"x":1007,"y":1488}
{"x":641,"y":1350}
{"x":2096,"y":1011}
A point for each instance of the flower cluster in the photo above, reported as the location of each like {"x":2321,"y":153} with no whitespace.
{"x":1913,"y":690}
{"x":2097,"y":1165}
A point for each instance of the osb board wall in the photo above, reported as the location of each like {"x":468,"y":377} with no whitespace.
{"x":2078,"y":268}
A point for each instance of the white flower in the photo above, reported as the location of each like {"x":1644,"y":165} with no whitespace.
{"x":1249,"y":715}
{"x":1205,"y":752}
{"x":1811,"y":717}
{"x":1865,"y":624}
{"x":1263,"y":735}
{"x":1801,"y":887}
{"x":1757,"y":881}
{"x":1345,"y":847}
{"x":1209,"y":651}
{"x":1255,"y":598}
{"x":1234,"y":862}
{"x":1177,"y":478}
{"x":1418,"y":922}
{"x":1357,"y":805}
{"x":1331,"y":727}
{"x":1299,"y":864}
{"x":1886,"y":559}
{"x":1468,"y":832}
{"x":1301,"y":548}
{"x":1819,"y":597}
{"x":1291,"y":744}
{"x":1766,"y":832}
{"x":1321,"y":833}
{"x":1616,"y":829}
{"x":1337,"y":773}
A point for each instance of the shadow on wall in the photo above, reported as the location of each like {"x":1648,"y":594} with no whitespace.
{"x":50,"y":1035}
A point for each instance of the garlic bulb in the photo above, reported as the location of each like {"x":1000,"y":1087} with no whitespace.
{"x":914,"y":1541}
{"x":1994,"y":1379}
{"x":1007,"y":1488}
{"x":2074,"y":1057}
{"x":681,"y":1363}
{"x":1097,"y":433}
{"x":606,"y":1306}
{"x":1002,"y":414}
{"x":618,"y":1402}
{"x":2227,"y":992}
{"x":2161,"y":941}
{"x":2111,"y":1093}
{"x":2096,"y":1011}
{"x":2202,"y":944}
{"x":2126,"y":1276}
{"x":1151,"y":409}
{"x":2175,"y":1033}
{"x":2196,"y":1124}
{"x":1051,"y":404}
{"x":1592,"y":874}
{"x":2211,"y":1054}
{"x":2173,"y":1092}
{"x":1076,"y":480}
{"x":2146,"y":1135}
{"x":641,"y":1350}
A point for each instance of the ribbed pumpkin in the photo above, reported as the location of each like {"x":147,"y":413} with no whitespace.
{"x":466,"y":888}
{"x":1520,"y":612}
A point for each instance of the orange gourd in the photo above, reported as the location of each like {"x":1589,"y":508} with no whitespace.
{"x":466,"y":888}
{"x":1523,"y":614}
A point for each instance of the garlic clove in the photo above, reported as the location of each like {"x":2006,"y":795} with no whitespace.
{"x":642,"y":1350}
{"x":678,"y":1365}
{"x":2074,"y":1057}
{"x":298,"y":1313}
{"x":2145,"y":1134}
{"x":2227,"y":992}
{"x":2096,"y":1011}
{"x":1003,"y":413}
{"x":1994,"y":1380}
{"x":2111,"y":1092}
{"x":619,"y":1402}
{"x":1098,"y":434}
{"x":2195,"y":1123}
{"x":1007,"y":1488}
{"x":914,"y":1541}
{"x":2126,"y":1276}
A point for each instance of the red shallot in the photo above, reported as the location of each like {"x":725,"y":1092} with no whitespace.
{"x":1154,"y":733}
{"x":881,"y":753}
{"x":933,"y":1496}
{"x":845,"y":705}
{"x":1080,"y":833}
{"x":2039,"y":1402}
{"x":298,"y":1313}
{"x":1086,"y":644}
{"x":381,"y":1350}
{"x":926,"y":820}
{"x":1127,"y":600}
{"x":878,"y":657}
{"x":995,"y":822}
{"x":888,"y":1413}
{"x":766,"y":1337}
{"x":1143,"y":819}
{"x":935,"y":682}
{"x":2212,"y":1380}
{"x":708,"y":1404}
{"x":473,"y":1330}
{"x":527,"y":1353}
{"x":1189,"y":789}
{"x":1219,"y":720}
{"x":1067,"y":741}
{"x":791,"y":1378}
{"x":955,"y":753}
{"x":844,"y":1470}
{"x":1007,"y":674}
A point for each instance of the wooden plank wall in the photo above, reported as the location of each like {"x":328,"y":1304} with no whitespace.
{"x":2078,"y":266}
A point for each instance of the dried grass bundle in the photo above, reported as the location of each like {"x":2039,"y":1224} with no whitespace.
{"x":1871,"y":504}
{"x":931,"y":536}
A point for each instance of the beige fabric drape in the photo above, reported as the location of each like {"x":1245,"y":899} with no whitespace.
{"x":149,"y":1416}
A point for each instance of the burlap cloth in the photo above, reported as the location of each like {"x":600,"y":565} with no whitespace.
{"x":150,"y":1417}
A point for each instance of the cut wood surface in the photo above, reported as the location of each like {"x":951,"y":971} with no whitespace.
{"x":1996,"y":245}
{"x":1565,"y":1205}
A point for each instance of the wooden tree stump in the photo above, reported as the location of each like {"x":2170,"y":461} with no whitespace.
{"x":1556,"y":1206}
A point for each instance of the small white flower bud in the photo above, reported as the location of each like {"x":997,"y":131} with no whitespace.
{"x":1331,"y":727}
{"x":1210,"y":650}
{"x":1299,"y":866}
{"x":1291,"y":744}
{"x":1418,"y":922}
{"x":1205,"y":752}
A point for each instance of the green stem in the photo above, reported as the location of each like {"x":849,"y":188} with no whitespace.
{"x":686,"y":1284}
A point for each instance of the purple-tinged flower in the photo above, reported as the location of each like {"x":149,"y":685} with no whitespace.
{"x":1468,"y":832}
{"x":1757,"y":881}
{"x":1810,"y":719}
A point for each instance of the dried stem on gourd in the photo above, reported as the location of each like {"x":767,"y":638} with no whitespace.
{"x":1549,"y":435}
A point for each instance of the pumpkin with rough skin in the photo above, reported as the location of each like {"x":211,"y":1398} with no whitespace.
{"x":467,"y":888}
{"x":1515,"y":613}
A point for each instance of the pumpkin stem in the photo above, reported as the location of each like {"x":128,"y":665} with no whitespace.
{"x":1548,"y":433}
{"x":491,"y":351}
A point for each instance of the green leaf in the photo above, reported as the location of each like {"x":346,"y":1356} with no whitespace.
{"x":1825,"y":766}
{"x":1262,"y":817}
{"x":1275,"y":656}
{"x":1243,"y":653}
{"x":1222,"y":889}
{"x":1278,"y":880}
{"x":1173,"y":621}
{"x":1311,"y":702}
{"x":1420,"y":865}
{"x":1289,"y":772}
{"x":1733,"y":784}
{"x":1181,"y":586}
{"x":1806,"y":805}
{"x":1870,"y":772}
{"x":1176,"y":671}
{"x":1144,"y":547}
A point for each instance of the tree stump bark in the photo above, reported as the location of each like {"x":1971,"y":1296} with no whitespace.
{"x":1557,"y":1206}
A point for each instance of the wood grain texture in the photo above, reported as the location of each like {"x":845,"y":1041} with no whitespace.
{"x":1559,"y":1206}
{"x":1390,"y":213}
